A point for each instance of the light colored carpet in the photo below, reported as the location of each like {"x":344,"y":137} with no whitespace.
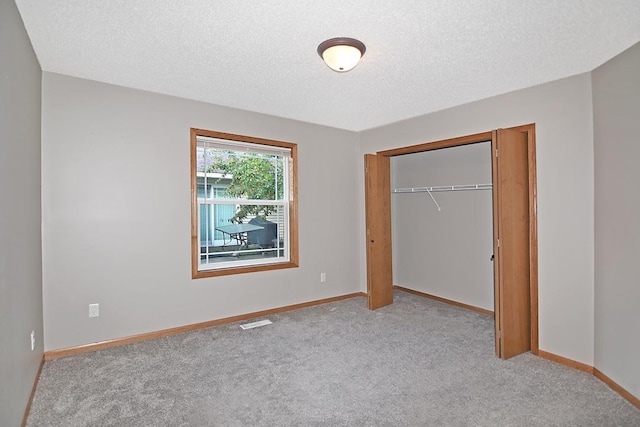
{"x":417,"y":362}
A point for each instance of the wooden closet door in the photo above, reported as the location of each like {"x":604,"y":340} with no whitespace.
{"x":511,"y":242}
{"x":378,"y":224}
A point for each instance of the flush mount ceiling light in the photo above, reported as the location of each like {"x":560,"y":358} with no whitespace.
{"x":341,"y":54}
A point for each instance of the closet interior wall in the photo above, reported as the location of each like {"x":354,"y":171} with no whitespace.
{"x":444,"y":253}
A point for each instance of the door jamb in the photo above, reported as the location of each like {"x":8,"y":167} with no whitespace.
{"x":529,"y":129}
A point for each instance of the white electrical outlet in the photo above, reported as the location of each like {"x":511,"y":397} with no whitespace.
{"x":94,"y":310}
{"x":323,"y":277}
{"x":33,"y":340}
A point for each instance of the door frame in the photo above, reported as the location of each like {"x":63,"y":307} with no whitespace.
{"x":529,"y":130}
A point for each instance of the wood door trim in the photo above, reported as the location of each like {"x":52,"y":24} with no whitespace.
{"x":496,"y":258}
{"x":529,"y":129}
{"x":436,"y":145}
{"x":533,"y":235}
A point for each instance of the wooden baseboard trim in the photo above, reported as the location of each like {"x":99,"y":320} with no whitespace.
{"x":64,"y":352}
{"x":617,"y":388}
{"x":593,"y":371}
{"x":564,"y":361}
{"x":446,"y":301}
{"x":33,"y":393}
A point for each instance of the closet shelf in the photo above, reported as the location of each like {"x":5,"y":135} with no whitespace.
{"x":463,"y":187}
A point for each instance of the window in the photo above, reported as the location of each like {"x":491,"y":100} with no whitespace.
{"x":243,"y":204}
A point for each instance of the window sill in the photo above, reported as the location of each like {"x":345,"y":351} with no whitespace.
{"x":201,"y":274}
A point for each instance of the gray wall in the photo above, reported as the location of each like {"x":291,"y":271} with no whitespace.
{"x":616,"y":108}
{"x":116,"y":213}
{"x":444,"y":253}
{"x":20,"y":244}
{"x":562,"y":112}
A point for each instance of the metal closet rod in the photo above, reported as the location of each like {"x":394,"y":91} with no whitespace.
{"x":463,"y":187}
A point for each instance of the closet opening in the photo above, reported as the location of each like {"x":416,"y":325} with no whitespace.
{"x":493,"y":228}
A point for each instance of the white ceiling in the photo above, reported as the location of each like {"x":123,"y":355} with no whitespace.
{"x":422,"y":56}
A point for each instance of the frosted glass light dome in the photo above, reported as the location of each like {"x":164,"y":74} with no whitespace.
{"x":341,"y":54}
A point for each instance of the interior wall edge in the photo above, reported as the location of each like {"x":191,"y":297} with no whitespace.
{"x":616,"y":108}
{"x":21,"y":308}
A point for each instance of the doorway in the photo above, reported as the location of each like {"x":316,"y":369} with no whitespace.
{"x":515,"y":232}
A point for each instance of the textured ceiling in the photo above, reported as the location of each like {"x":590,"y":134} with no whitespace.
{"x":422,"y":56}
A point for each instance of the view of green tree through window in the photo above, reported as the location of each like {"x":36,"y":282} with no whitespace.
{"x":243,"y":204}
